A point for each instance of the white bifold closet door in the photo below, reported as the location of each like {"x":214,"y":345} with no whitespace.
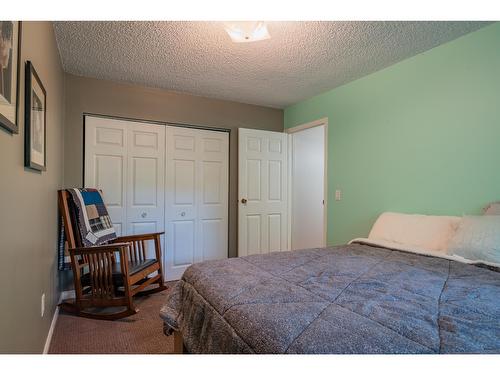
{"x":126,"y":160}
{"x":162,"y":178}
{"x":196,"y":197}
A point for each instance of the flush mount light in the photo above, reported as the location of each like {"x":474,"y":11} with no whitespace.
{"x":247,"y":31}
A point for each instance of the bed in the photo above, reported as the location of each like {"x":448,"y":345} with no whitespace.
{"x":355,"y":298}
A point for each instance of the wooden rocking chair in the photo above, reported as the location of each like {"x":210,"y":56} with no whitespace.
{"x":100,"y":279}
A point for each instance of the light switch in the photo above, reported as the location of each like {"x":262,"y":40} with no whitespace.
{"x":338,"y":195}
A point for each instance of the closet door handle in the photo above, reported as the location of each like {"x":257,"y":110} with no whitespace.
{"x":183,"y":213}
{"x":243,"y":200}
{"x":144,"y":214}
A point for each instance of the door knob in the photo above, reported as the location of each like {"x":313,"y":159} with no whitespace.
{"x":143,"y":215}
{"x":243,"y":200}
{"x":183,"y":214}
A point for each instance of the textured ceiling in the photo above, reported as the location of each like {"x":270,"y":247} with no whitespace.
{"x":300,"y":60}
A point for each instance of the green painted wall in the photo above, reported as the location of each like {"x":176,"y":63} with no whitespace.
{"x":421,"y":136}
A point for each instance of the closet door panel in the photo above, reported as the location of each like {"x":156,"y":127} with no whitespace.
{"x":105,"y":165}
{"x":184,"y":174}
{"x":146,"y":179}
{"x":180,"y":202}
{"x":126,"y":160}
{"x":183,"y":240}
{"x":213,"y":197}
{"x":196,"y":197}
{"x":214,"y":239}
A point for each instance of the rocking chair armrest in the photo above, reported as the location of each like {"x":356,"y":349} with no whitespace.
{"x":99,"y":248}
{"x":138,"y":237}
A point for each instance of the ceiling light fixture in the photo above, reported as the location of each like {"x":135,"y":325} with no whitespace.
{"x":247,"y":31}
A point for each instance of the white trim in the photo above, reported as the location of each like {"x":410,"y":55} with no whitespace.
{"x":291,"y":131}
{"x":289,"y":193}
{"x":64,"y":295}
{"x":312,"y":124}
{"x":51,"y":331}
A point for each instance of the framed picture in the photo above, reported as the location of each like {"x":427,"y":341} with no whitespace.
{"x":10,"y":48}
{"x":35,"y":127}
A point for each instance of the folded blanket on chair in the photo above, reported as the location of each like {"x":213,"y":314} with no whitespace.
{"x":94,"y":223}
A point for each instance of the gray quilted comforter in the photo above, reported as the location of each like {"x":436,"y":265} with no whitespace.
{"x":347,"y":299}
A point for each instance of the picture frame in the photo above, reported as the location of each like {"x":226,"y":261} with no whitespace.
{"x":35,"y":120}
{"x":10,"y":72}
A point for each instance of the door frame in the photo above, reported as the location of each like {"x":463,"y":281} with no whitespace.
{"x":290,"y":132}
{"x":284,"y":224}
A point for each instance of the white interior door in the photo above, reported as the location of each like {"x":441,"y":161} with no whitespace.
{"x":106,"y":143}
{"x":196,"y":210}
{"x":308,"y":188}
{"x":262,"y":184}
{"x":126,"y":160}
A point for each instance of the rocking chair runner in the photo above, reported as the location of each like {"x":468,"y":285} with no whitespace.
{"x":97,"y":274}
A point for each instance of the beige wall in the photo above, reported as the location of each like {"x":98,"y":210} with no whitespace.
{"x":28,"y":208}
{"x":85,"y":95}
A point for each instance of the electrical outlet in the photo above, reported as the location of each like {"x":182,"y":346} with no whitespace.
{"x":338,"y":195}
{"x":42,"y":305}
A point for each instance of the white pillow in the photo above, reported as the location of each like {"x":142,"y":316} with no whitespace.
{"x":477,"y":238}
{"x":432,"y":233}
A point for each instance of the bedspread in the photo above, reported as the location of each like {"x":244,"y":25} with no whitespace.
{"x":345,"y":299}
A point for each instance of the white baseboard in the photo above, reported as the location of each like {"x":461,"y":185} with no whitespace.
{"x":51,"y":331}
{"x":64,"y":295}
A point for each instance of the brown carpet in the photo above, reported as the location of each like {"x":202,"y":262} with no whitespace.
{"x":141,"y":333}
